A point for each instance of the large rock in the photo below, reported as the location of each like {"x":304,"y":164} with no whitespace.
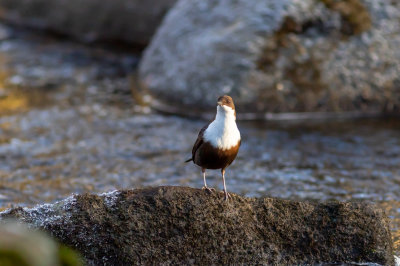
{"x":277,"y":55}
{"x":176,"y":225}
{"x":131,"y":21}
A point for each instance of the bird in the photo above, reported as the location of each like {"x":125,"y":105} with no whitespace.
{"x":218,"y":141}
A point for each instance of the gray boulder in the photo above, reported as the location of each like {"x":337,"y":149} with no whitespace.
{"x":277,"y":56}
{"x":131,"y":21}
{"x":177,"y":225}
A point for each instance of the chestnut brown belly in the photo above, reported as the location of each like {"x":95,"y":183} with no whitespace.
{"x":213,"y":158}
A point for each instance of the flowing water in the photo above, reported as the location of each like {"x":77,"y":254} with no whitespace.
{"x":68,"y":124}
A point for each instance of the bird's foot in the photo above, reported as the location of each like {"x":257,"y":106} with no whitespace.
{"x":227,"y":196}
{"x":209,"y":189}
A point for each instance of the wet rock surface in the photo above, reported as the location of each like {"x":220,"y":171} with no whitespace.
{"x":129,"y":21}
{"x":192,"y":226}
{"x":277,"y":56}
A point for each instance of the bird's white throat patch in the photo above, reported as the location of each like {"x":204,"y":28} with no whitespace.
{"x":223,"y":133}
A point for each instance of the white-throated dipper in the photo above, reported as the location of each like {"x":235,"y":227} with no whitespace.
{"x":218,"y":142}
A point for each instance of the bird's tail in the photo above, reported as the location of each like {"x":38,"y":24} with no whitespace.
{"x":191,"y":159}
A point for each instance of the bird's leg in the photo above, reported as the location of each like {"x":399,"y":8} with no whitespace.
{"x":223,"y":179}
{"x":205,"y":183}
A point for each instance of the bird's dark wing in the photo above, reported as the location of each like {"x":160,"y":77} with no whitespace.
{"x":199,"y":142}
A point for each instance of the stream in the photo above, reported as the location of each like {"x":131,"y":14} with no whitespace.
{"x":69,"y":124}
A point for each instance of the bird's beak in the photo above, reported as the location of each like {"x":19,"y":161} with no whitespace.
{"x":219,"y":103}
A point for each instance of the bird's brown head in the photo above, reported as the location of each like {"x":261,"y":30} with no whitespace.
{"x":226,"y":105}
{"x":226,"y":100}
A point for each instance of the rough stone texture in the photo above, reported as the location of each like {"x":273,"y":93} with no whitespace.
{"x":131,"y":21}
{"x":278,"y":55}
{"x":177,"y":225}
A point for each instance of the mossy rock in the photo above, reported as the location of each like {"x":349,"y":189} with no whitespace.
{"x":275,"y":56}
{"x":178,"y":225}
